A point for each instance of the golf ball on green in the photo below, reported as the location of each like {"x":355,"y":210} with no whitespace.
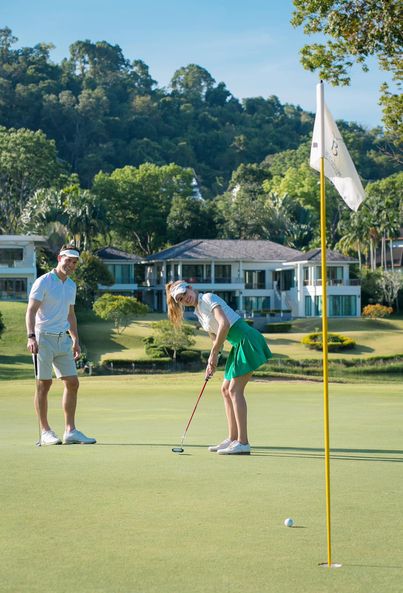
{"x":289,"y":522}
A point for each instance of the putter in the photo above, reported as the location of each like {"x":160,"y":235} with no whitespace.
{"x":181,"y":449}
{"x":35,"y":361}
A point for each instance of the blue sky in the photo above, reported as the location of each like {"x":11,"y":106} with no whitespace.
{"x":250,"y":46}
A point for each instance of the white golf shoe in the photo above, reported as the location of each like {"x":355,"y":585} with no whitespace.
{"x":236,"y":448}
{"x":75,"y":437}
{"x":223,"y":445}
{"x":49,"y":437}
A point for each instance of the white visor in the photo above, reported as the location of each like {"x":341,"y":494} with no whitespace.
{"x":177,"y":290}
{"x":70,"y":253}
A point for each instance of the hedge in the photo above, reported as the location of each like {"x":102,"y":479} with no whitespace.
{"x":335,"y":342}
{"x":188,"y":355}
{"x":278,"y":328}
{"x":140,"y":362}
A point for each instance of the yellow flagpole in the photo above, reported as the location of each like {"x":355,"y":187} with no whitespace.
{"x":325,"y":357}
{"x":324,"y":321}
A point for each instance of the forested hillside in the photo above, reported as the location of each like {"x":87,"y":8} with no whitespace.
{"x":93,"y":149}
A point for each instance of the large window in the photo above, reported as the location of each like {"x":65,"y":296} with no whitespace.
{"x":196,"y":273}
{"x":122,"y":273}
{"x":338,"y":306}
{"x":255,"y":304}
{"x":229,"y":297}
{"x":223,"y":274}
{"x":139,"y":273}
{"x":13,"y":288}
{"x":342,"y":306}
{"x":287,"y":280}
{"x":308,"y":306}
{"x":334,"y":274}
{"x":9,"y":256}
{"x":318,"y":306}
{"x":255,"y":279}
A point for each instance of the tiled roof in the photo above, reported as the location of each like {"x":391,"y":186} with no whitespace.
{"x":111,"y":253}
{"x":225,"y":249}
{"x":315,"y":256}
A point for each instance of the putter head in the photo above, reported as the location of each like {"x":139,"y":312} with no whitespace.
{"x":177,"y":449}
{"x":38,"y":444}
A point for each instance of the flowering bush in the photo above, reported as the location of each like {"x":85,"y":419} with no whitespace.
{"x":376,"y":311}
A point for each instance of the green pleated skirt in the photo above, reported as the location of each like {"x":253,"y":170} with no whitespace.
{"x":249,"y":350}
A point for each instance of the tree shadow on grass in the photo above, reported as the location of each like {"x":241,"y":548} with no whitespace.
{"x":296,"y":452}
{"x":15,"y":358}
{"x":280,"y":341}
{"x":15,"y":367}
{"x":377,"y":566}
{"x":99,"y":339}
{"x":386,"y":455}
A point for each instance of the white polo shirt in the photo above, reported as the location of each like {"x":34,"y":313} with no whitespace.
{"x":204,"y":312}
{"x":55,"y":297}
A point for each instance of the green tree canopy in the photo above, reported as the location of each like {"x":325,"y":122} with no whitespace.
{"x":172,"y":339}
{"x":119,"y":309}
{"x":28,"y":161}
{"x":139,"y":201}
{"x":355,"y":31}
{"x":90,"y":272}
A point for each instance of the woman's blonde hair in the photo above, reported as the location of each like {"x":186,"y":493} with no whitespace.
{"x":175,"y":310}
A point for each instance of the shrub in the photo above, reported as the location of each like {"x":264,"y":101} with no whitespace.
{"x":2,"y":326}
{"x":335,"y":342}
{"x":278,"y":328}
{"x":188,"y":355}
{"x":222,"y":359}
{"x":152,"y":349}
{"x":377,"y":311}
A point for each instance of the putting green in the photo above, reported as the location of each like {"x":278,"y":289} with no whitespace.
{"x":129,"y":516}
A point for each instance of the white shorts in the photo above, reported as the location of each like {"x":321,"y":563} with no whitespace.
{"x":55,"y":350}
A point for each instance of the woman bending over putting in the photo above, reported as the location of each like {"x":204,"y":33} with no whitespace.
{"x":249,"y":351}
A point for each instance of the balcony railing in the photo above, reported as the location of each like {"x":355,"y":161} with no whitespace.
{"x":16,"y":264}
{"x":208,"y":280}
{"x":197,"y":279}
{"x":255,"y":286}
{"x":334,"y":282}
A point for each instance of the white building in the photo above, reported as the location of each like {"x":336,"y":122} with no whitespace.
{"x":18,"y":255}
{"x":255,"y":277}
{"x":126,"y":269}
{"x":304,"y":293}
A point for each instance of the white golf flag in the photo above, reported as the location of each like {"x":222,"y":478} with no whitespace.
{"x":339,"y":167}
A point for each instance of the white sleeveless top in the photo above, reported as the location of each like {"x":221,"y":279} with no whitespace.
{"x":204,"y":312}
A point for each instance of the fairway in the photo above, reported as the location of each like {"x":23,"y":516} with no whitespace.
{"x":129,"y":516}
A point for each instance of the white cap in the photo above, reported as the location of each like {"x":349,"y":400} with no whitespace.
{"x":70,"y":253}
{"x":178,"y":289}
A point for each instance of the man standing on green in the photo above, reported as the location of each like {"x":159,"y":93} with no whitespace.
{"x":53,"y":341}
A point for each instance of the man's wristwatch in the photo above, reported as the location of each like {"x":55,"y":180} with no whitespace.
{"x":31,"y":336}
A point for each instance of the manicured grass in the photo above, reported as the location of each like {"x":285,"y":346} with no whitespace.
{"x":373,"y":338}
{"x":15,"y":361}
{"x":129,"y":516}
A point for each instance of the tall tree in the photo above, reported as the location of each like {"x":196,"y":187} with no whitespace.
{"x":139,"y":201}
{"x":356,"y":30}
{"x":82,"y":213}
{"x":28,"y":161}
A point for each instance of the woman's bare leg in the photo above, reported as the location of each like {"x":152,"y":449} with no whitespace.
{"x":229,"y":411}
{"x":236,"y":393}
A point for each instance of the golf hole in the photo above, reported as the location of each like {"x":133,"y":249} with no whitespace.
{"x":177,"y":450}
